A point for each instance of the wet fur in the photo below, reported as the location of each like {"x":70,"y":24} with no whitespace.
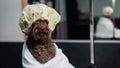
{"x":39,"y":42}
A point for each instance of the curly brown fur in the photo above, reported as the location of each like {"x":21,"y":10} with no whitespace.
{"x":39,"y":42}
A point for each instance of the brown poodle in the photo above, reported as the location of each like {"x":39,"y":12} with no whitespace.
{"x":39,"y":41}
{"x":38,"y":21}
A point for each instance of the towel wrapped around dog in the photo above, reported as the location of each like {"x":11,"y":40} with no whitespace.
{"x":59,"y":61}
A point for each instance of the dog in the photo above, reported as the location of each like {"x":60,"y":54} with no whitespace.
{"x":39,"y":41}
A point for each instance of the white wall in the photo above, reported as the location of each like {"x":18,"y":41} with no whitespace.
{"x":9,"y":14}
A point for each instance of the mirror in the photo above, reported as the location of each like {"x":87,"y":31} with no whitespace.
{"x":107,"y":20}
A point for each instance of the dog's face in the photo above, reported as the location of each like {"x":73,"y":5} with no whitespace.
{"x":39,"y":31}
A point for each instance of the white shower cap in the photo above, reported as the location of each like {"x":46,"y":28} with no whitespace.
{"x":107,"y":11}
{"x":34,"y":12}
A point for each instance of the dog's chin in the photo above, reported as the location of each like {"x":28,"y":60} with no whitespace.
{"x":40,"y":41}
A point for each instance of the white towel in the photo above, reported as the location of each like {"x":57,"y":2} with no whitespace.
{"x":59,"y":61}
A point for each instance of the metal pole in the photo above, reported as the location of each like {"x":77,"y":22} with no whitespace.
{"x":91,"y":33}
{"x":92,"y":60}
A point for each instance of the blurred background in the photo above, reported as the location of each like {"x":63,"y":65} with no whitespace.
{"x":73,"y":25}
{"x":71,"y":34}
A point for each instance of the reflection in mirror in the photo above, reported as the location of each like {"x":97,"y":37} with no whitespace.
{"x":105,"y":26}
{"x":107,"y":20}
